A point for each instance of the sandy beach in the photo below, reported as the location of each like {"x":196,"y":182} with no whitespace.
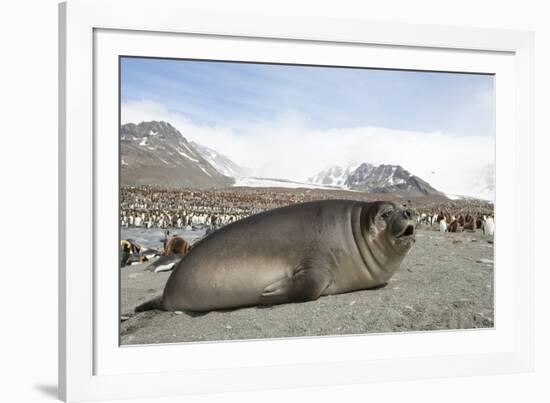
{"x":446,"y":282}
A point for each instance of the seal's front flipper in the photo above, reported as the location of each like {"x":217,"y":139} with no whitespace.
{"x":306,"y":284}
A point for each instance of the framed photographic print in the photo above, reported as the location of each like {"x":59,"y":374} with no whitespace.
{"x":256,"y":201}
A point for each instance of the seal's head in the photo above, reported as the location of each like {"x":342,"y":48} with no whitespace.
{"x":393,"y":225}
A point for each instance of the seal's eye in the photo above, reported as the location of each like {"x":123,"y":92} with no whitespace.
{"x":386,"y":214}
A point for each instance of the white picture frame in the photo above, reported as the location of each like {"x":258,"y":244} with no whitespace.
{"x":92,"y":366}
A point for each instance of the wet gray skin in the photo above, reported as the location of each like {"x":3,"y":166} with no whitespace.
{"x":291,"y":254}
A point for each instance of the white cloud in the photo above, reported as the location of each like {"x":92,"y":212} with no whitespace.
{"x":285,"y":148}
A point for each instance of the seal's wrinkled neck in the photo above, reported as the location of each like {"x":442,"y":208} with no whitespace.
{"x":380,"y":259}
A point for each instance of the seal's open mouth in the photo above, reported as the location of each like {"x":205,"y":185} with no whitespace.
{"x":408,"y":231}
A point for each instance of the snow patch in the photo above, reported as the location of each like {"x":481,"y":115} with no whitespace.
{"x":462,"y":197}
{"x":276,"y":183}
{"x":334,"y":175}
{"x":186,"y":146}
{"x":205,"y":171}
{"x":187,"y":156}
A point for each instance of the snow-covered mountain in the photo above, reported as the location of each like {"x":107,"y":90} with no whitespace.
{"x":222,"y":163}
{"x":333,"y":176}
{"x":155,"y":153}
{"x":376,"y":179}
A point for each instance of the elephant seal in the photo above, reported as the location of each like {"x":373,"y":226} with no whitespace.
{"x":176,"y":245}
{"x":291,"y":254}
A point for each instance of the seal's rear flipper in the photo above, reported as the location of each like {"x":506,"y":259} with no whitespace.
{"x":307,"y":284}
{"x":155,"y":303}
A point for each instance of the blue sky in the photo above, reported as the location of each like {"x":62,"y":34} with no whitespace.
{"x":235,"y":94}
